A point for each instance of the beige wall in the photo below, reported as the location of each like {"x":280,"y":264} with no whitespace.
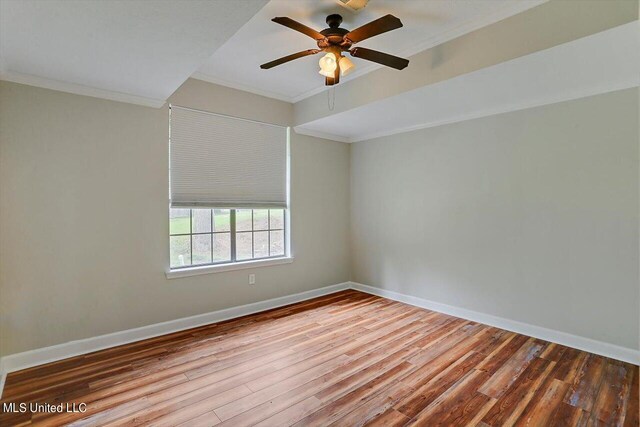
{"x":531,"y":215}
{"x":84,"y":216}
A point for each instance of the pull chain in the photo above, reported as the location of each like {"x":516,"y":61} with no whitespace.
{"x":331,"y":98}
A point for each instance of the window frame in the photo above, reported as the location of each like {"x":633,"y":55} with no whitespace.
{"x":233,"y":263}
{"x":287,"y":258}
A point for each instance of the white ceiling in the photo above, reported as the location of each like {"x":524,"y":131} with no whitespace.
{"x":426,"y":24}
{"x":598,"y":63}
{"x":142,"y":50}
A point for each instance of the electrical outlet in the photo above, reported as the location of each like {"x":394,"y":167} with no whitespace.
{"x":252,"y":279}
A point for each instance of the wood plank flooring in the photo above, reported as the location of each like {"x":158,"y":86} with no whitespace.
{"x":346,"y":359}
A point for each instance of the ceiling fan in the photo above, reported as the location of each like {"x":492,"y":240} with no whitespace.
{"x":335,"y":40}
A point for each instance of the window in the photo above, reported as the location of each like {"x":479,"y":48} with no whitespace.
{"x":217,"y":236}
{"x":217,"y":164}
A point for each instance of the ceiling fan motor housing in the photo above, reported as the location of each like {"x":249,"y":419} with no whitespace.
{"x":334,"y":35}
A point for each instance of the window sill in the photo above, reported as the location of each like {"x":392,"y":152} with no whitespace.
{"x":209,"y":269}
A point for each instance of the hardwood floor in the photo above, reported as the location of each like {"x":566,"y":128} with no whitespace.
{"x":344,"y":359}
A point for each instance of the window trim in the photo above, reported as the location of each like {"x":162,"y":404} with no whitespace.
{"x":233,"y":264}
{"x":229,"y":266}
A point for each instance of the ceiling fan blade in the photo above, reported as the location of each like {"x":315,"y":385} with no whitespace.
{"x":373,"y":28}
{"x":288,"y":58}
{"x":295,"y":25}
{"x":379,"y":57}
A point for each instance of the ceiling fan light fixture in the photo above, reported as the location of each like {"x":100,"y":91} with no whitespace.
{"x":328,"y":65}
{"x":346,"y":65}
{"x":335,"y":41}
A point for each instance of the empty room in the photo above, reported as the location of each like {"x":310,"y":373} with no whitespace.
{"x":319,"y":213}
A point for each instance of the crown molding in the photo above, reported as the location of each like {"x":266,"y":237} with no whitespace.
{"x":323,"y":135}
{"x":30,"y":80}
{"x":556,"y":99}
{"x":501,"y":110}
{"x":245,"y":88}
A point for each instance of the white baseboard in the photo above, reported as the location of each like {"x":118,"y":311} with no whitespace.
{"x":3,"y":376}
{"x":28,"y":359}
{"x":581,"y":343}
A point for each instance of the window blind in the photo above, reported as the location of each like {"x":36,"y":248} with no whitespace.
{"x":225,"y":162}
